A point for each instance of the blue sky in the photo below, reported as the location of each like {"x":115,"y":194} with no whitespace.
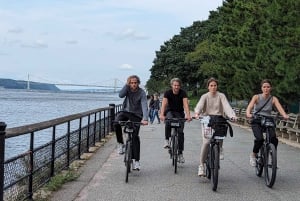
{"x":89,"y":41}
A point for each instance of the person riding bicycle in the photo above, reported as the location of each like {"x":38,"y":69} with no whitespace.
{"x":263,"y":103}
{"x":175,"y":105}
{"x":135,"y":109}
{"x":211,"y":103}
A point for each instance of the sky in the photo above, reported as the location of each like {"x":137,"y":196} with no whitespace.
{"x":90,"y":41}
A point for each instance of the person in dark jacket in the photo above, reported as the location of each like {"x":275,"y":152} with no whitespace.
{"x":135,"y":109}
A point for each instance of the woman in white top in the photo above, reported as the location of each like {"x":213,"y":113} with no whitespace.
{"x":211,"y":103}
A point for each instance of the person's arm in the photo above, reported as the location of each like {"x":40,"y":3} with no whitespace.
{"x":123,"y":92}
{"x":164,"y":104}
{"x":251,"y":105}
{"x":227,"y":108}
{"x":144,"y":108}
{"x":187,"y":109}
{"x":279,"y":107}
{"x":199,"y":107}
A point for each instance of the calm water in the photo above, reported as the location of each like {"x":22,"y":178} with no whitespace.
{"x":18,"y":108}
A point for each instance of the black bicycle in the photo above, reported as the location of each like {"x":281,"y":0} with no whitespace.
{"x":175,"y":124}
{"x":266,"y":159}
{"x":218,"y":131}
{"x":128,"y":128}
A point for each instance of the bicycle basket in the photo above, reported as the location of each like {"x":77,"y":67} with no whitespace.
{"x":219,"y":125}
{"x":220,"y":130}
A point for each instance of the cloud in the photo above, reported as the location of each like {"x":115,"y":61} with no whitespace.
{"x":3,"y":54}
{"x":128,"y":34}
{"x":71,"y":42}
{"x":16,"y":30}
{"x":126,"y":67}
{"x":37,"y":44}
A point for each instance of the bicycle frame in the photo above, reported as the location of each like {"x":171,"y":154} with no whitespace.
{"x":217,"y":129}
{"x":175,"y":124}
{"x":266,"y":159}
{"x":129,"y":129}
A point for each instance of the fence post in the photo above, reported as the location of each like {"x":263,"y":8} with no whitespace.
{"x":112,"y":115}
{"x":2,"y":154}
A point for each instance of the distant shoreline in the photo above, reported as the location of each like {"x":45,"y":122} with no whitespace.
{"x":21,"y":84}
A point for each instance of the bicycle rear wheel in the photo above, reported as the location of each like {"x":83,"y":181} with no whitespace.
{"x":127,"y":160}
{"x":270,"y":165}
{"x":215,"y":158}
{"x":259,"y":162}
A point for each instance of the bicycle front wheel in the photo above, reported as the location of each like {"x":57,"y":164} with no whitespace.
{"x":259,"y":162}
{"x":175,"y":154}
{"x":207,"y":166}
{"x":215,"y":159}
{"x":127,"y":160}
{"x":270,"y":165}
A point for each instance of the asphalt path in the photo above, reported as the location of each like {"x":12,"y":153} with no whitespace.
{"x":103,"y":175}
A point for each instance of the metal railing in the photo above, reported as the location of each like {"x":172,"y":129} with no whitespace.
{"x":70,"y":137}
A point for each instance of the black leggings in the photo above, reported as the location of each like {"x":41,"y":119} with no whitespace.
{"x":124,"y":116}
{"x":258,"y":134}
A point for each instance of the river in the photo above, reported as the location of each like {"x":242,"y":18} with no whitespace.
{"x":21,"y":107}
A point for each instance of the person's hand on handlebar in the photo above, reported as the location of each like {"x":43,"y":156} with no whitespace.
{"x":144,"y":122}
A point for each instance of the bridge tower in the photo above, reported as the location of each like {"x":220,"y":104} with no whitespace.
{"x":28,"y":83}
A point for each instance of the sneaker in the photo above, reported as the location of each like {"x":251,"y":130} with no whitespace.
{"x":121,"y":148}
{"x":201,"y":171}
{"x":136,"y":165}
{"x":221,"y":153}
{"x":252,"y":160}
{"x":166,"y":145}
{"x":180,"y":158}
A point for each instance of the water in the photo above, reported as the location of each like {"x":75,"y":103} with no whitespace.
{"x":20,"y":107}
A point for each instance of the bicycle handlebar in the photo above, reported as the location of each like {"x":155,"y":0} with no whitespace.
{"x":128,"y":123}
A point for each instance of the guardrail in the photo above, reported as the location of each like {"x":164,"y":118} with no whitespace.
{"x":71,"y":136}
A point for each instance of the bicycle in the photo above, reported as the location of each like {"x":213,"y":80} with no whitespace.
{"x":129,"y":128}
{"x":175,"y":124}
{"x":217,"y":131}
{"x":266,"y":159}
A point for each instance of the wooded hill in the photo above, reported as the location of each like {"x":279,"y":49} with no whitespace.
{"x":241,"y":43}
{"x":21,"y":84}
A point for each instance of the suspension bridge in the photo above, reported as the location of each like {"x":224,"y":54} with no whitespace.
{"x":112,"y":84}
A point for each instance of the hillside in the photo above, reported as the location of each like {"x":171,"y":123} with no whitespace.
{"x":21,"y":84}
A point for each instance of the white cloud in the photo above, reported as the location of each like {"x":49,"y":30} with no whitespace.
{"x":36,"y":44}
{"x":126,"y":67}
{"x":71,"y":42}
{"x":15,"y":30}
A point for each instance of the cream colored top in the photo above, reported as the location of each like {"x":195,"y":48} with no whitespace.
{"x":214,"y":105}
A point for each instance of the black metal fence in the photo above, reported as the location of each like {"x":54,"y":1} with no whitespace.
{"x":70,"y":137}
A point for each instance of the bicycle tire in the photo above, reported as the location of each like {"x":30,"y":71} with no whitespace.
{"x":172,"y":149}
{"x":215,"y":157}
{"x":207,"y":166}
{"x":270,"y":165}
{"x":175,"y":154}
{"x":127,"y":159}
{"x":259,"y":162}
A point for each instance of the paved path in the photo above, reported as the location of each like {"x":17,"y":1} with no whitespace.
{"x":104,"y":174}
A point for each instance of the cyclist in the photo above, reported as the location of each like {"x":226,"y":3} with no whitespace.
{"x":175,"y":105}
{"x":261,"y":103}
{"x":134,"y":109}
{"x":211,"y":103}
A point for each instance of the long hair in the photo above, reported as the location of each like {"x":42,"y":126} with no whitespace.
{"x":134,"y":76}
